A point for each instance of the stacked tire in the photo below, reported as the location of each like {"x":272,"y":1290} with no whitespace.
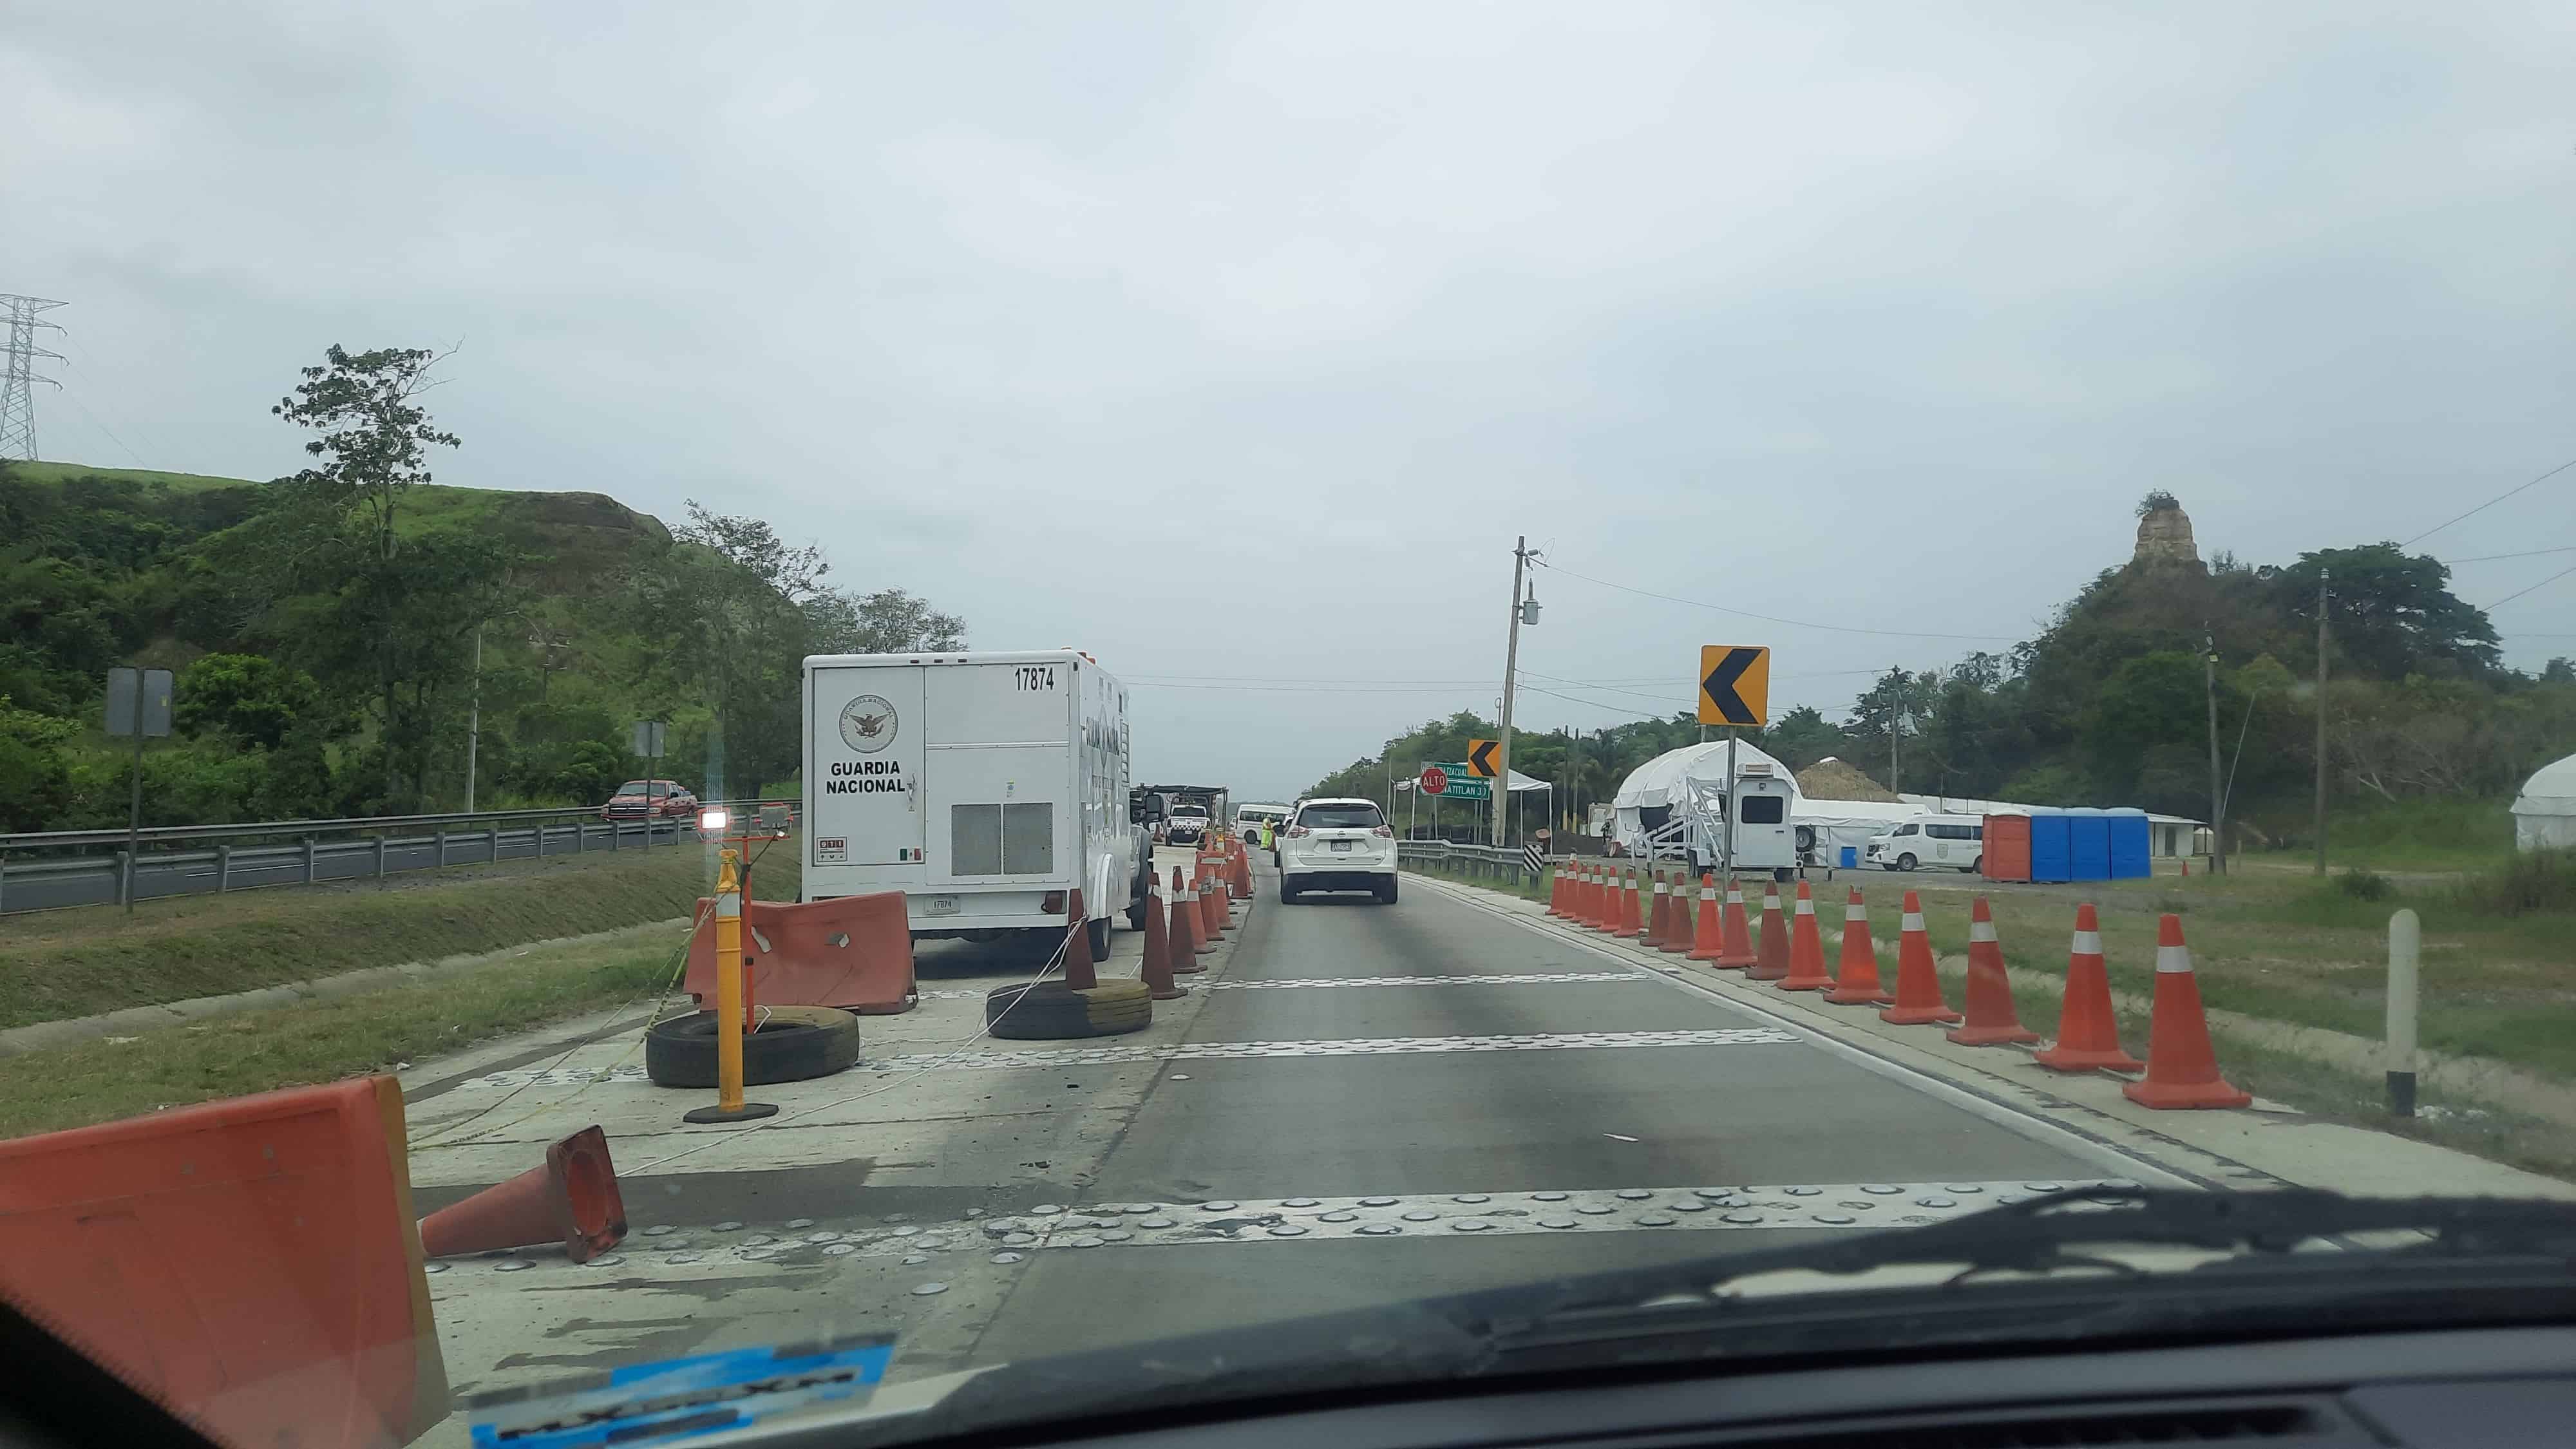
{"x":1054,"y":1011}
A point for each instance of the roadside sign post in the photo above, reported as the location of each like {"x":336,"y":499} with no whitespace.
{"x":1734,"y":690}
{"x":647,"y":743}
{"x":138,"y":704}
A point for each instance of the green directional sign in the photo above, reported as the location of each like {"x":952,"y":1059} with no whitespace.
{"x":1463,"y":786}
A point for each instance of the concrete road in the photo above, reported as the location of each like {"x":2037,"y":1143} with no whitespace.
{"x":1355,"y":1103}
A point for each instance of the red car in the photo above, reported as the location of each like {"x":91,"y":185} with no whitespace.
{"x":637,"y":799}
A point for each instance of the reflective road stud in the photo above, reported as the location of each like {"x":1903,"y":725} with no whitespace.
{"x":729,"y":1107}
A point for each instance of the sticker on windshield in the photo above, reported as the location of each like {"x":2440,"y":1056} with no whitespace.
{"x":868,"y":723}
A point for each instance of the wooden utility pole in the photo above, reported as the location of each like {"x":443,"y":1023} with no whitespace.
{"x":2217,"y":782}
{"x":1511,"y":666}
{"x":2321,"y":721}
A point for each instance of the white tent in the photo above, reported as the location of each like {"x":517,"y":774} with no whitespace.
{"x":2544,"y":814}
{"x":1685,"y":787}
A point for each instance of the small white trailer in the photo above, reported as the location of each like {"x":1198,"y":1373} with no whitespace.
{"x":985,"y":786}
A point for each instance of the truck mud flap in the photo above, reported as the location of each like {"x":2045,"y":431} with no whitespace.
{"x":852,"y":952}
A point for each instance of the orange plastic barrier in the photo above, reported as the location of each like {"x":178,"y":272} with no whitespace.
{"x":250,"y":1263}
{"x":853,"y":952}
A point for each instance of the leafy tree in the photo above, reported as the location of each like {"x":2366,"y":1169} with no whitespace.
{"x":2153,"y":699}
{"x":2389,"y":612}
{"x":1802,"y":736}
{"x":35,"y":782}
{"x":251,"y":697}
{"x":889,"y":621}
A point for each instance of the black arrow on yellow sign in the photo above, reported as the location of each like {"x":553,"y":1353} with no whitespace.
{"x":1734,"y":684}
{"x":1480,"y":759}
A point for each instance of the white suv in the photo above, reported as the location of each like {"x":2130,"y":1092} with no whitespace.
{"x":1337,"y":845}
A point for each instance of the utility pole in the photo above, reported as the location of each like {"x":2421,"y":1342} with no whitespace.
{"x":1895,"y":722}
{"x":1521,"y":556}
{"x":18,"y":377}
{"x":2321,"y":721}
{"x":474,"y":721}
{"x":2217,"y":783}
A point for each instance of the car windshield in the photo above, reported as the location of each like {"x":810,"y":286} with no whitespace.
{"x":1865,"y":615}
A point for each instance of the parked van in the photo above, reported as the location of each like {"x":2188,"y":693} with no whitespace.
{"x":1957,"y":841}
{"x":984,"y":786}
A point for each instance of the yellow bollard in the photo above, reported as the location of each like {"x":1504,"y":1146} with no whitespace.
{"x":729,"y":1107}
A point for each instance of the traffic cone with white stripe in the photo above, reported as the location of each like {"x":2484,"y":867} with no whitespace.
{"x":1679,"y":939}
{"x":2182,"y":1070}
{"x":1155,"y":968}
{"x":1708,"y":941}
{"x":1806,"y":950}
{"x":1593,"y":897}
{"x":1659,"y":920}
{"x":1187,"y":916}
{"x":1629,"y":927}
{"x":1736,"y":938}
{"x":1918,"y":985}
{"x":1771,"y":958}
{"x":2088,"y":1035}
{"x":1857,"y":983}
{"x":1992,"y":1018}
{"x":1556,"y":894}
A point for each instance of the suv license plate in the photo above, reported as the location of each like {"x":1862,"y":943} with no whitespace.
{"x":939,"y":905}
{"x":1342,"y":845}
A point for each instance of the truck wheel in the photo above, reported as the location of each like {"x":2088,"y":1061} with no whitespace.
{"x":1053,"y":1011}
{"x":793,"y":1044}
{"x":1099,"y":928}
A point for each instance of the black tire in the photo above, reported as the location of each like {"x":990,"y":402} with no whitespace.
{"x":1053,"y":1011}
{"x":1386,"y":892}
{"x":1976,"y":866}
{"x":1287,"y":893}
{"x":1099,"y":928}
{"x":793,"y":1044}
{"x":1905,"y":862}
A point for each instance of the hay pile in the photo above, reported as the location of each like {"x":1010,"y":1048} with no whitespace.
{"x":1831,"y":779}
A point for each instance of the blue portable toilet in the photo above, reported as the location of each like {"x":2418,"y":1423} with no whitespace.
{"x":1851,"y":857}
{"x":2051,"y":856}
{"x":2129,"y":844}
{"x":2088,"y":844}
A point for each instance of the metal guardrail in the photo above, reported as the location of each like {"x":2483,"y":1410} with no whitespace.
{"x":90,"y":867}
{"x":1490,"y":862}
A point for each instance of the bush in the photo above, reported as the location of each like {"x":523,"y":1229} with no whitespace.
{"x":2364,"y":885}
{"x":2527,"y":884}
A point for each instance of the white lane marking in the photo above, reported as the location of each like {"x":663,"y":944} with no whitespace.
{"x":2026,"y":1125}
{"x":698,"y":1250}
{"x":1514,"y":978}
{"x":1218,"y":1051}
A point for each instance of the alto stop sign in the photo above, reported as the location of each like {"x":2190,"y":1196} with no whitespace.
{"x":1435,"y":780}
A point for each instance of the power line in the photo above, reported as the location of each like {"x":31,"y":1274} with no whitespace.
{"x":2490,"y":503}
{"x":2518,"y":593}
{"x":1776,"y":619}
{"x":2492,"y":557}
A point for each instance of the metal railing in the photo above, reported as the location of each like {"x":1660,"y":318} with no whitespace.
{"x":1482,"y":862}
{"x":55,"y":869}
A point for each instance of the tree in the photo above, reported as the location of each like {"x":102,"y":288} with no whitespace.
{"x":889,"y":621}
{"x":252,"y":698}
{"x":372,"y":436}
{"x":2390,"y":612}
{"x":35,"y":782}
{"x":2154,"y":699}
{"x":1801,"y":737}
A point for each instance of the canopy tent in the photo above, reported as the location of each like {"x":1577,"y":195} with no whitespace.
{"x":1838,"y":823}
{"x":2544,"y":814}
{"x":1686,"y":787}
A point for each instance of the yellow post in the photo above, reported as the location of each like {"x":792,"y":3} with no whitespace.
{"x":729,"y":1107}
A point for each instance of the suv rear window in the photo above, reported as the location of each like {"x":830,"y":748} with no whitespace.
{"x":1338,"y":817}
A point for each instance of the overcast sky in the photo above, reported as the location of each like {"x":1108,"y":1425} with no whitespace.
{"x":1076,"y":318}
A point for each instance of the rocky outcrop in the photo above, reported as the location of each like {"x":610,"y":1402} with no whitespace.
{"x":2164,"y":536}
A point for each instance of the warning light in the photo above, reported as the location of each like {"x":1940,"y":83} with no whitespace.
{"x":713,"y":820}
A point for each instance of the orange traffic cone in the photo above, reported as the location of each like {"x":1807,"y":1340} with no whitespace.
{"x":2182,"y":1070}
{"x":572,"y":1200}
{"x":1709,"y":941}
{"x":1182,"y":938}
{"x":1659,"y":920}
{"x":1079,"y":972}
{"x":1857,"y":982}
{"x":1992,"y":1020}
{"x":1242,"y":874}
{"x":1771,"y":958}
{"x":1156,"y":968}
{"x":2088,"y":1035}
{"x":1580,"y":909}
{"x":1680,"y":939}
{"x":1806,"y":950}
{"x":1918,"y":986}
{"x":1212,"y":901}
{"x":1556,"y":893}
{"x":1630,"y":927}
{"x":1737,"y":954}
{"x":1605,"y":901}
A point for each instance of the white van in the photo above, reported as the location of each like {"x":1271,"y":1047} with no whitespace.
{"x":984,"y":786}
{"x":1958,"y":841}
{"x":1248,"y":819}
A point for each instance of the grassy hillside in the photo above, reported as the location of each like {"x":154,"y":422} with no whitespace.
{"x":52,"y":472}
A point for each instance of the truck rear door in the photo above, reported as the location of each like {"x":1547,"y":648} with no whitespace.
{"x":867,"y":734}
{"x":1000,"y":808}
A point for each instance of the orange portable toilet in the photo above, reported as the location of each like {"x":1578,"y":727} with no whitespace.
{"x":2007,"y":847}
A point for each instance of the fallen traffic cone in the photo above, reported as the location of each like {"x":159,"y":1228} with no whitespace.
{"x":1992,"y":1020}
{"x":1078,"y":965}
{"x":2088,"y":1035}
{"x":1156,"y":968}
{"x":1681,"y":939}
{"x":1659,"y":920}
{"x":572,"y":1200}
{"x":1771,"y":958}
{"x":1918,"y":985}
{"x":1806,"y":950}
{"x":2182,"y":1070}
{"x":1857,"y":982}
{"x":1737,"y":940}
{"x":1709,"y":942}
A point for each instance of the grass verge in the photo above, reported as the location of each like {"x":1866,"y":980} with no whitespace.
{"x":78,"y":963}
{"x":320,"y":1041}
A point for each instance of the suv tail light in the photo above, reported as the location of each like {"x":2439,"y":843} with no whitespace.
{"x":1383,"y":833}
{"x":1297,"y":831}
